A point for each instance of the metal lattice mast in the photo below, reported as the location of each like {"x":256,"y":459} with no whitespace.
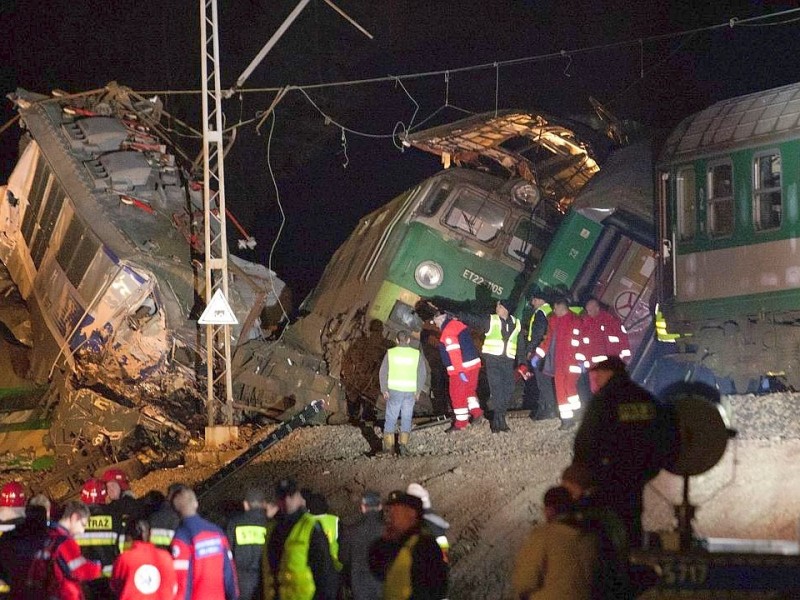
{"x":218,"y":337}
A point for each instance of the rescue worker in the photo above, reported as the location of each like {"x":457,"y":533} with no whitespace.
{"x":101,"y":538}
{"x":121,"y":500}
{"x":12,"y":506}
{"x":463,"y":365}
{"x":143,"y":572}
{"x":317,"y":505}
{"x":19,"y":546}
{"x":538,"y":394}
{"x":499,"y":352}
{"x":247,"y":533}
{"x":58,"y":571}
{"x":297,"y":561}
{"x":165,"y":520}
{"x":435,"y":524}
{"x":402,"y":376}
{"x":624,"y":440}
{"x":602,"y":336}
{"x":354,"y":549}
{"x":406,"y":557}
{"x":203,"y":561}
{"x":558,"y":350}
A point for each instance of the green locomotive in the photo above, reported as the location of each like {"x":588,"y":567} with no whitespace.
{"x":461,"y":235}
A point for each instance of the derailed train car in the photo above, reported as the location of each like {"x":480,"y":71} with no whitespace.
{"x":728,"y":224}
{"x":606,"y":247}
{"x":463,"y":235}
{"x":99,"y":224}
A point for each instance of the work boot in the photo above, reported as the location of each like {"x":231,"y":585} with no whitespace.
{"x":402,"y":444}
{"x":478,"y":420}
{"x":388,"y":443}
{"x":566,"y":424}
{"x":494,"y":425}
{"x":502,"y":425}
{"x":454,"y":429}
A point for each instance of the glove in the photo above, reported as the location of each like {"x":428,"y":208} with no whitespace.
{"x":463,"y":377}
{"x":535,"y":359}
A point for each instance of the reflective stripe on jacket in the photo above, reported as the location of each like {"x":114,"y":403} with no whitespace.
{"x":403,"y":362}
{"x":295,"y":581}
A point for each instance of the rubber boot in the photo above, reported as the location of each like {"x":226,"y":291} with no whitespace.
{"x":388,"y":443}
{"x":402,"y":443}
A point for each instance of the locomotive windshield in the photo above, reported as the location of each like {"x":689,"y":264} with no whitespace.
{"x":475,"y":215}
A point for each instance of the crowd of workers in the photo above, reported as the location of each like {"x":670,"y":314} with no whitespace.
{"x":552,"y":354}
{"x":283,"y":545}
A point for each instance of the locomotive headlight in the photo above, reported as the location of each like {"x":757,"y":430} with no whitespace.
{"x":429,"y":275}
{"x":526,"y":194}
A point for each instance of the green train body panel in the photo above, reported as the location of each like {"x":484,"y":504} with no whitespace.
{"x":464,"y":272}
{"x":571,"y":247}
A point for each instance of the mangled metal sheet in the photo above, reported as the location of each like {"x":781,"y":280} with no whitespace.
{"x":529,"y":145}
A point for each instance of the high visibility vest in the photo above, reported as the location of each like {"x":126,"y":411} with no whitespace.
{"x":545,"y":309}
{"x":397,"y":585}
{"x":494,"y":343}
{"x":250,"y":535}
{"x":330,"y":527}
{"x":403,"y":364}
{"x":295,"y":579}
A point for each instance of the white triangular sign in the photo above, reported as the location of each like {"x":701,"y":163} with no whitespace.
{"x":218,"y":311}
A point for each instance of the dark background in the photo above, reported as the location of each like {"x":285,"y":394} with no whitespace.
{"x":148,"y":45}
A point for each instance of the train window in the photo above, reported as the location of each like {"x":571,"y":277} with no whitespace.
{"x":767,"y":205}
{"x":34,"y":199}
{"x":475,"y":215}
{"x":720,"y":199}
{"x":433,"y":202}
{"x":686,"y":196}
{"x":521,"y":242}
{"x":82,"y":258}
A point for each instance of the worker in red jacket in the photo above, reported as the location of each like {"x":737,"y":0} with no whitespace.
{"x":58,"y":571}
{"x":463,"y":364}
{"x":202,"y":557}
{"x":558,"y":351}
{"x":602,"y":336}
{"x":144,"y":572}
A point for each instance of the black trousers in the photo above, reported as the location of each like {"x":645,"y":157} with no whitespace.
{"x":500,"y":373}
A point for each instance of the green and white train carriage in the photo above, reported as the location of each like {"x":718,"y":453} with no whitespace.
{"x":729,"y":220}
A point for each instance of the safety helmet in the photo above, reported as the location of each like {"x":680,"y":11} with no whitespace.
{"x":12,"y":495}
{"x":93,"y":492}
{"x":117,"y":475}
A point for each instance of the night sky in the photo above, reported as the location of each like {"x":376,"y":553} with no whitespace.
{"x":149,"y":45}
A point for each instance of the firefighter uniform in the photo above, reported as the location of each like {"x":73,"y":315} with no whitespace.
{"x":463,"y":364}
{"x":144,"y":572}
{"x":61,"y":568}
{"x":203,"y":561}
{"x":538,"y":394}
{"x":330,"y":527}
{"x":247,"y":534}
{"x":558,"y":350}
{"x":163,"y":523}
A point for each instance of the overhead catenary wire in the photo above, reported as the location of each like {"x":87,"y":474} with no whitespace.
{"x":730,"y":23}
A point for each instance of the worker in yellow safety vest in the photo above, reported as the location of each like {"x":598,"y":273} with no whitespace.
{"x":402,"y":377}
{"x":406,"y":557}
{"x":297,"y":563}
{"x":499,"y":354}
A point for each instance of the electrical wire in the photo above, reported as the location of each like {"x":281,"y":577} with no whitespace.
{"x":282,"y":225}
{"x":730,"y":23}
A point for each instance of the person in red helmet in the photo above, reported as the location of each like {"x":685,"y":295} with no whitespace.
{"x":118,"y":475}
{"x":12,"y":506}
{"x":100,"y":540}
